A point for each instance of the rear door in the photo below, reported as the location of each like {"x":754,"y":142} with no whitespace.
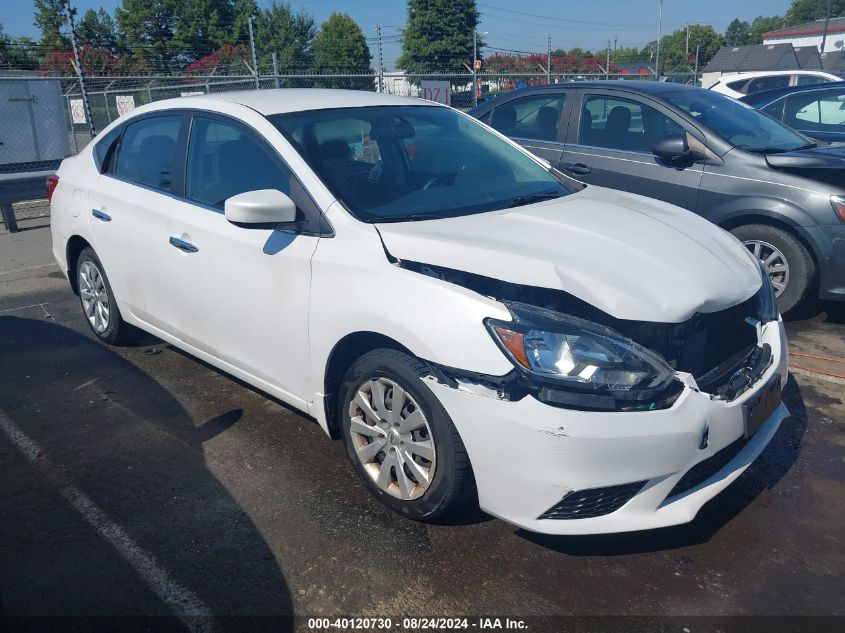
{"x":609,"y":144}
{"x":132,"y":204}
{"x":535,"y":121}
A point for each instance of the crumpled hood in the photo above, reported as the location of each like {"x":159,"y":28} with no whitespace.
{"x":630,"y":256}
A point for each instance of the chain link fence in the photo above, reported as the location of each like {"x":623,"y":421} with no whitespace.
{"x":43,"y":119}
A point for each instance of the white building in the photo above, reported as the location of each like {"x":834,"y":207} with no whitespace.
{"x":811,"y":34}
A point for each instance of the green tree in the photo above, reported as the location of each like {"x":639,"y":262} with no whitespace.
{"x":146,"y":32}
{"x":340,"y":47}
{"x":438,"y":36}
{"x":278,"y":29}
{"x":809,"y":10}
{"x":738,"y":33}
{"x":50,"y":18}
{"x":97,"y":29}
{"x":674,"y":55}
{"x":762,"y":24}
{"x":243,"y":10}
{"x":201,"y":27}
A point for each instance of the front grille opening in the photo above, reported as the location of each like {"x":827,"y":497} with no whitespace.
{"x":704,"y":470}
{"x":593,"y":502}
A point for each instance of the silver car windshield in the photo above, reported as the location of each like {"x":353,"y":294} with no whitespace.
{"x":404,"y":163}
{"x":738,"y":123}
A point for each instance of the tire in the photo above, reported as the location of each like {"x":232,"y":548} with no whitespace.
{"x":105,"y":321}
{"x":421,"y":499}
{"x":800,"y":271}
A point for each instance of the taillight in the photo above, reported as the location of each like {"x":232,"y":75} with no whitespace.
{"x":52,"y":182}
{"x":838,"y":203}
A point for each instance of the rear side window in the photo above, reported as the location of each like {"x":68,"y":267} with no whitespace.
{"x":623,"y":124}
{"x":224,"y":159}
{"x":535,"y":117}
{"x":104,"y":147}
{"x":767,"y":83}
{"x":738,"y":85}
{"x":147,"y":153}
{"x":816,"y":113}
{"x":809,"y":80}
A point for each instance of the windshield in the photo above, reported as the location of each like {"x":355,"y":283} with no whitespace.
{"x":737,"y":122}
{"x":401,"y":163}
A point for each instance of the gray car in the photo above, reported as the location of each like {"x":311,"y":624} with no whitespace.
{"x":780,"y":193}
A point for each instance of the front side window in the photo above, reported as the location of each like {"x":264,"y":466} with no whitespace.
{"x":623,"y":124}
{"x":736,"y":122}
{"x":534,"y":118}
{"x":809,"y":80}
{"x":400,"y":163}
{"x":224,"y":159}
{"x":147,"y":152}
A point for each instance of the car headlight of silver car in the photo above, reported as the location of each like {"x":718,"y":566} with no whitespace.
{"x":767,"y":306}
{"x":572,"y":353}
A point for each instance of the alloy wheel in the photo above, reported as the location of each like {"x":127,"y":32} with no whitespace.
{"x":392,"y":438}
{"x":94,"y":296}
{"x":774,"y":263}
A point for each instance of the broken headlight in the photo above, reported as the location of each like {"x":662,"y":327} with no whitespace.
{"x":578,"y":354}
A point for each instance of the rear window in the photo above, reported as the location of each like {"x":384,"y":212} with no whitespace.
{"x":104,"y":146}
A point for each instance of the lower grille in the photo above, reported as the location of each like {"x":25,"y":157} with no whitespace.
{"x":703,"y":471}
{"x":593,"y":502}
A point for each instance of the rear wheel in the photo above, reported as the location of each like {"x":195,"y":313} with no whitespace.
{"x":401,"y":441}
{"x":785,"y":259}
{"x":97,"y":299}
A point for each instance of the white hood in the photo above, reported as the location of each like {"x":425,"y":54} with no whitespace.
{"x":630,"y":256}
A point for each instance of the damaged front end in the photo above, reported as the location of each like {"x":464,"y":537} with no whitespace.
{"x":568,"y":353}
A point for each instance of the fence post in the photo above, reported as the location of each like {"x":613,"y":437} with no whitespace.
{"x":276,"y":69}
{"x":79,"y":71}
{"x":254,"y":59}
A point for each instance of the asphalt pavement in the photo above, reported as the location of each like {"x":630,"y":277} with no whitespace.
{"x":138,"y":482}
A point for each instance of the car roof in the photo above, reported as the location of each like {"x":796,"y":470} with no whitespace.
{"x":286,"y":100}
{"x":767,"y":96}
{"x":752,"y":74}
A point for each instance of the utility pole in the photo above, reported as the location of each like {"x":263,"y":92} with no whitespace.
{"x":80,"y":73}
{"x":549,"y":61}
{"x":659,"y":37}
{"x":607,"y":67}
{"x":380,"y":86}
{"x":687,"y":50}
{"x":254,"y":60}
{"x":615,"y":44}
{"x":826,"y":24}
{"x":697,"y":49}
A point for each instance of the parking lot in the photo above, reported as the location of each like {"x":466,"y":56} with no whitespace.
{"x":138,"y":481}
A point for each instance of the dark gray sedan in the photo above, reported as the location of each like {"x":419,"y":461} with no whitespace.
{"x":776,"y":190}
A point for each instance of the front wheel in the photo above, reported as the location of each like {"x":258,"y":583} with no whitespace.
{"x":402,"y":443}
{"x":785,"y":259}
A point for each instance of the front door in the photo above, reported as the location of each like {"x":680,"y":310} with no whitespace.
{"x":612,"y":143}
{"x":244,"y":291}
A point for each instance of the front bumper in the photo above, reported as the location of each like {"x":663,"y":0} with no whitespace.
{"x":527,"y":456}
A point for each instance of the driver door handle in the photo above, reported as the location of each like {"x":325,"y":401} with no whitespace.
{"x":577,"y":168}
{"x":182,"y":245}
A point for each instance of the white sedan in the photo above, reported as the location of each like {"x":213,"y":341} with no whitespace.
{"x":469,"y":321}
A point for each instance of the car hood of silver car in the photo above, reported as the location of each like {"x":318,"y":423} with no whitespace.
{"x":629,"y":256}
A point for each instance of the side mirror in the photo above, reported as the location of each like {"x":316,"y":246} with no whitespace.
{"x":263,"y":206}
{"x":672,"y":148}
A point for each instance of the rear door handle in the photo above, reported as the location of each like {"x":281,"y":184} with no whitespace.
{"x":577,"y":168}
{"x":101,"y":215}
{"x":182,"y":245}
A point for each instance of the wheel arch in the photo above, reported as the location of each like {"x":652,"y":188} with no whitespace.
{"x":345,"y":352}
{"x":75,"y":245}
{"x":775,"y":221}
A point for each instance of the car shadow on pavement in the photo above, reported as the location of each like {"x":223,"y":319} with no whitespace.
{"x":116,"y":435}
{"x":764,"y":473}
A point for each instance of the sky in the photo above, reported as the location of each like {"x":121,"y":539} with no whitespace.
{"x":517,"y":26}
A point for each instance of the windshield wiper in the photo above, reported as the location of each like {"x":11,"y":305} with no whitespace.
{"x":410,"y":217}
{"x":532,"y":198}
{"x":781,"y":150}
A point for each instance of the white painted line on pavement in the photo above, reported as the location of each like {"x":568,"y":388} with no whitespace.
{"x":187,"y":605}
